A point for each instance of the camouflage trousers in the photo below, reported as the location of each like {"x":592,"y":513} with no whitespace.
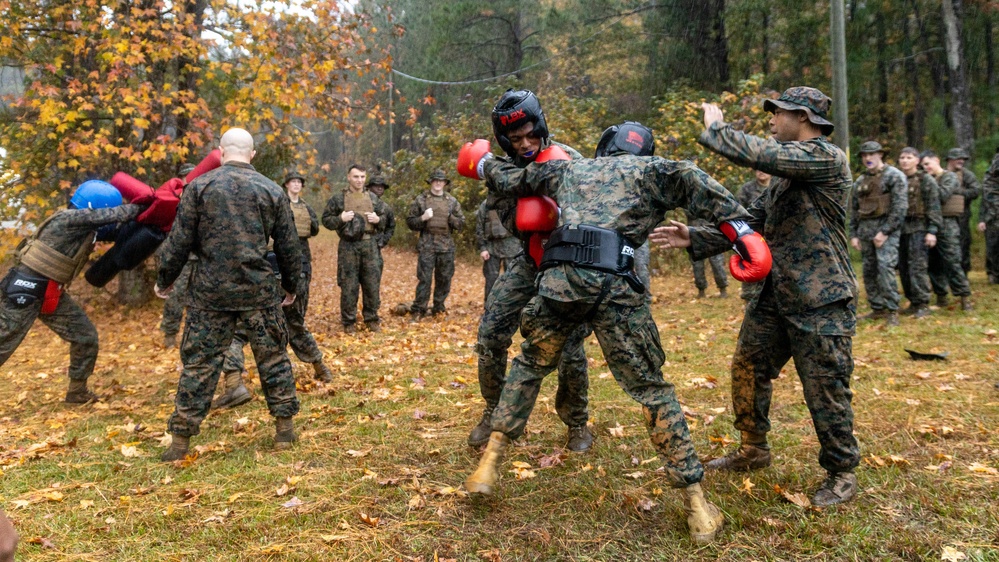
{"x":299,"y":337}
{"x":824,"y":361}
{"x":643,"y":257}
{"x":945,"y":261}
{"x":433,"y":266}
{"x":491,"y":271}
{"x":913,"y":262}
{"x":501,"y":320}
{"x":68,"y":321}
{"x":630,"y":342}
{"x":749,"y":291}
{"x":964,"y":222}
{"x":879,"y":272}
{"x":359,"y":269}
{"x":207,"y":336}
{"x":992,"y":251}
{"x":718,"y":269}
{"x":173,"y":306}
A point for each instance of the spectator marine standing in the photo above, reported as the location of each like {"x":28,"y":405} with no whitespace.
{"x":497,"y":246}
{"x":435,"y":215}
{"x":880,"y":199}
{"x":357,"y":216}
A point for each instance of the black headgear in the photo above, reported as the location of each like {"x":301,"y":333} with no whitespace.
{"x":631,"y":137}
{"x":514,"y":109}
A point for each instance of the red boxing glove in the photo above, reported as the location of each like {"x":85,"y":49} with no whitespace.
{"x":133,"y":190}
{"x":553,"y":152}
{"x":537,"y":213}
{"x":207,"y":164}
{"x":752,"y":261}
{"x":472,"y":156}
{"x":163,"y":209}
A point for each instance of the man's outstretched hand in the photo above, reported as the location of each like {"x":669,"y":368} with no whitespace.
{"x":676,"y":235}
{"x":712,"y":114}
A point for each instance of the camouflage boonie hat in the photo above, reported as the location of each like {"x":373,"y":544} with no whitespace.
{"x":377,"y":180}
{"x":185,"y":169}
{"x":439,"y":175}
{"x":293,"y":176}
{"x":958,"y":154}
{"x":870,"y":147}
{"x":810,"y":100}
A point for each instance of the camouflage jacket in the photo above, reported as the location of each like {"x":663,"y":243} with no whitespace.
{"x":749,"y":192}
{"x":892,"y":182}
{"x":802,"y":216}
{"x":353,"y":230}
{"x":501,"y":247}
{"x":434,"y":242}
{"x":929,"y":196}
{"x":972,"y":190}
{"x":989,"y":211}
{"x":627,"y":194}
{"x":313,"y":230}
{"x":388,"y":229}
{"x":69,"y":229}
{"x":226,"y":217}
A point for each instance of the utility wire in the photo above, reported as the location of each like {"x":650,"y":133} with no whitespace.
{"x":519,"y":70}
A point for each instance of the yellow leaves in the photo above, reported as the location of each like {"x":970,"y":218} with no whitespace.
{"x":797,"y":498}
{"x":522,"y":470}
{"x":616,"y":431}
{"x":951,"y":554}
{"x":747,"y":486}
{"x":979,"y":468}
{"x":369,"y":520}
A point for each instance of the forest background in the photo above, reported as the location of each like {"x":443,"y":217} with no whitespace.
{"x":143,"y":86}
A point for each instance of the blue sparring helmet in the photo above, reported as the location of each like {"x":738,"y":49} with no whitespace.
{"x":95,"y":194}
{"x":631,"y":137}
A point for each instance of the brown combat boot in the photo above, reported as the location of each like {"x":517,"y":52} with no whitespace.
{"x":323,"y":372}
{"x":374,"y":327}
{"x":236,"y":393}
{"x":704,"y":520}
{"x":838,"y":487}
{"x":722,"y":293}
{"x":753,"y":454}
{"x":78,"y":393}
{"x":580,"y":439}
{"x":966,"y":304}
{"x":874,"y":315}
{"x":700,"y":293}
{"x":169,"y":341}
{"x":483,"y":480}
{"x":178,"y":449}
{"x":285,"y":434}
{"x":942,"y":300}
{"x":891,"y":319}
{"x":480,"y":433}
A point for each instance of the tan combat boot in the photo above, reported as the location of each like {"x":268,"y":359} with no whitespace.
{"x":285,"y":435}
{"x":323,"y":372}
{"x":704,"y":520}
{"x":483,"y":480}
{"x":78,"y":393}
{"x":178,"y":449}
{"x":235,"y":394}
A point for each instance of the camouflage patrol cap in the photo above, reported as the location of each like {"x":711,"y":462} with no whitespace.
{"x":957,"y":154}
{"x":812,"y":101}
{"x":377,"y":180}
{"x":870,"y":147}
{"x":185,"y":169}
{"x":439,"y":175}
{"x":293,"y":176}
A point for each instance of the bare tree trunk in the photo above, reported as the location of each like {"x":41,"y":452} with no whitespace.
{"x":721,"y":42}
{"x":134,"y":288}
{"x":990,"y":55}
{"x":957,"y":67}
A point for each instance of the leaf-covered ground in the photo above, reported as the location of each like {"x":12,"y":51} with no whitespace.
{"x":377,"y":474}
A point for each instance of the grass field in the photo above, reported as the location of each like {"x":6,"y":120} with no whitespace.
{"x":377,"y":473}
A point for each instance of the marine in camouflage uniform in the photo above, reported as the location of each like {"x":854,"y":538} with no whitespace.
{"x":988,"y":219}
{"x":497,"y":247}
{"x":173,"y":306}
{"x":922,"y":222}
{"x":880,"y":198}
{"x":358,"y":217}
{"x":748,"y":193}
{"x":628,"y":196}
{"x":226,"y":217}
{"x":517,"y":286}
{"x":718,"y":268}
{"x":956,"y":159}
{"x":378,"y":185}
{"x":34,"y":279}
{"x":945,"y":257}
{"x":807,"y":308}
{"x":435,"y":214}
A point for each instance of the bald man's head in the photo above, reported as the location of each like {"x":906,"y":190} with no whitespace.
{"x":237,"y":145}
